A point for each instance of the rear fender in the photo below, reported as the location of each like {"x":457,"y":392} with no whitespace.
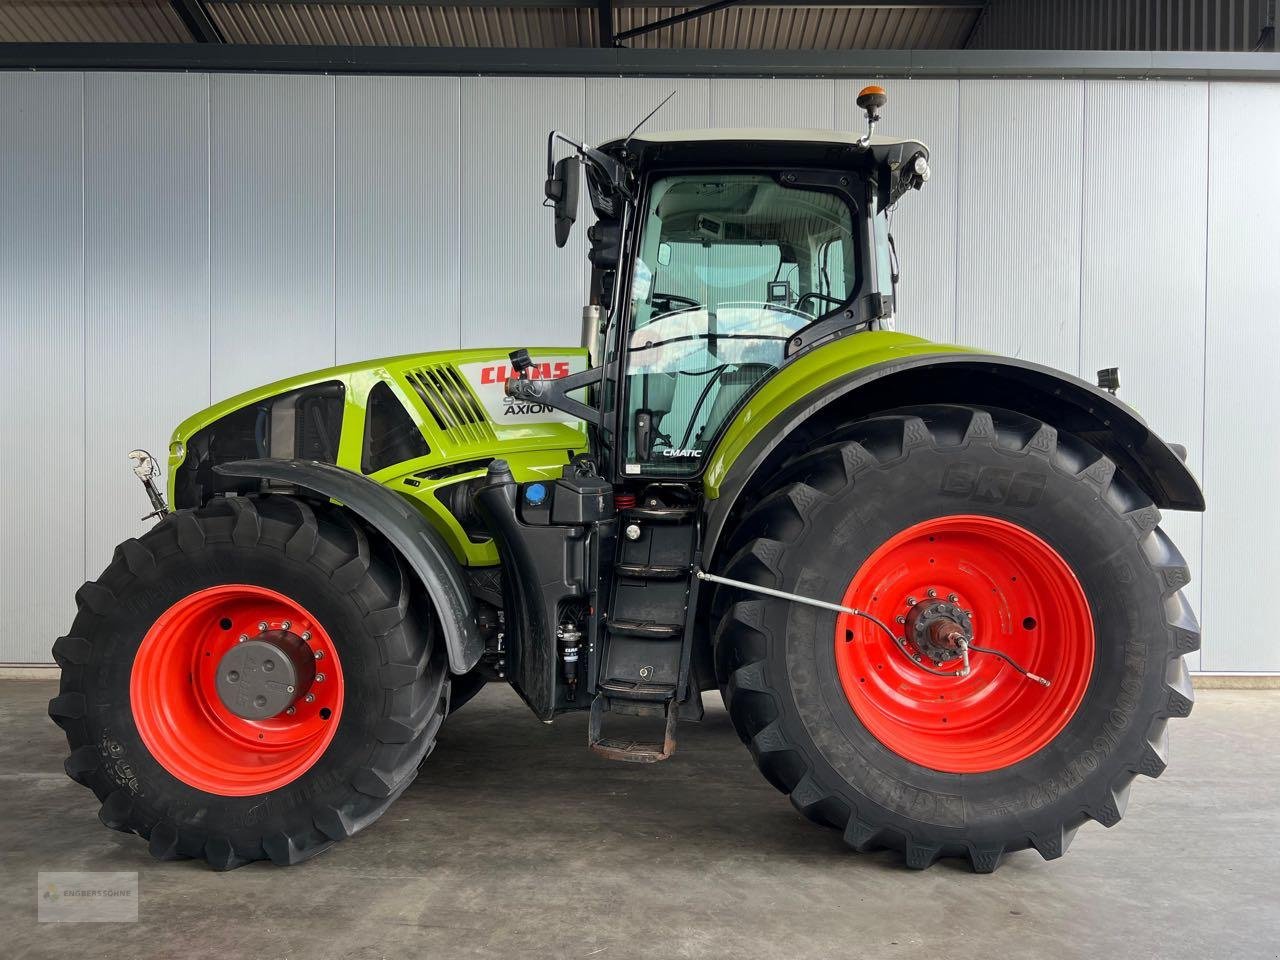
{"x":388,"y":513}
{"x":1063,"y":401}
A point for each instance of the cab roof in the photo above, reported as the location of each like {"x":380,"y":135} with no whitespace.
{"x":757,"y":135}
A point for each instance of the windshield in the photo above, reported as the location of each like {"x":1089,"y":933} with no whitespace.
{"x":729,"y":268}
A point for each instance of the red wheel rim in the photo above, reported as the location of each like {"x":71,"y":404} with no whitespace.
{"x":1025,"y":601}
{"x":184,"y":723}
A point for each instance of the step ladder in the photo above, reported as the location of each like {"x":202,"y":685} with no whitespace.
{"x":647,"y":630}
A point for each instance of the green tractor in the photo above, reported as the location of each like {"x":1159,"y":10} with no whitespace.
{"x":929,"y":582}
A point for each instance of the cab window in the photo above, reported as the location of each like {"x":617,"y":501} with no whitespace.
{"x":728,"y":269}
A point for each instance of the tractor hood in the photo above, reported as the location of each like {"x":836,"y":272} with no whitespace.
{"x":413,"y":422}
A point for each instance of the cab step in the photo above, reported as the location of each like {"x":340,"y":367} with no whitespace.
{"x":645,"y":628}
{"x":652,"y":571}
{"x":630,"y":751}
{"x":661,"y":514}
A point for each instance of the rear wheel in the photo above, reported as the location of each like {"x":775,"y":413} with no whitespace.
{"x":254,"y":679}
{"x":956,"y":527}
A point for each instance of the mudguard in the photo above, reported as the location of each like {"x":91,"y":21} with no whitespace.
{"x":388,"y":513}
{"x":1066,"y":402}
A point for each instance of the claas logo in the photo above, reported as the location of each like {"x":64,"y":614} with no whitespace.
{"x":501,"y":373}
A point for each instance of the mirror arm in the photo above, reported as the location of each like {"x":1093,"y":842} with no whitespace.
{"x":605,"y":165}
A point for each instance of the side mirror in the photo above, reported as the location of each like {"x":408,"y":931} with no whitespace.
{"x":562,"y":191}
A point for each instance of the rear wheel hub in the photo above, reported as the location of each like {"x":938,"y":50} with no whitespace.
{"x":938,"y":629}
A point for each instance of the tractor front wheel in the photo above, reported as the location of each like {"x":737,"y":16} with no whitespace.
{"x":255,"y":679}
{"x":1018,"y":649}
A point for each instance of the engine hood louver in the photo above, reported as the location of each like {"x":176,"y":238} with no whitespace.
{"x":451,"y":403}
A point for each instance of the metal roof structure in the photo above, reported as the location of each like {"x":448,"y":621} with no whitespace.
{"x":1162,"y":38}
{"x":733,"y":25}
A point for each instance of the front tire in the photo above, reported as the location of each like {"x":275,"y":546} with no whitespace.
{"x":962,"y":502}
{"x":180,"y":764}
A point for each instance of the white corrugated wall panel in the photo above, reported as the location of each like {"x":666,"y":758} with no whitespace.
{"x":1242,"y":416}
{"x":398,"y":272}
{"x":924,"y":222}
{"x":517,"y":287}
{"x":42,"y":361}
{"x":773,"y":103}
{"x":1143,"y":272}
{"x":1018,"y":258}
{"x":615,"y":105}
{"x":146,"y":283}
{"x":271,"y":231}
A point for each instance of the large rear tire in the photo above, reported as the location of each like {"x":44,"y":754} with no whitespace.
{"x":1055,"y":558}
{"x":168,"y":756}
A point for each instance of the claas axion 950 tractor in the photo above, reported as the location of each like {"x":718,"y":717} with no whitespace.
{"x":929,"y":582}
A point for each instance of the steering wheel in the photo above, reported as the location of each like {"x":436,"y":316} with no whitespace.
{"x":835,"y":302}
{"x":673,"y":298}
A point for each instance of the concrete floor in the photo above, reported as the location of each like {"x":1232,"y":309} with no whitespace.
{"x":517,"y":842}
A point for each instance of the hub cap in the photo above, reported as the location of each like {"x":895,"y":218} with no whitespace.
{"x":236,"y":690}
{"x":992,"y":583}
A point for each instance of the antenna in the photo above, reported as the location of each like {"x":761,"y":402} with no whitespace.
{"x":646,"y":118}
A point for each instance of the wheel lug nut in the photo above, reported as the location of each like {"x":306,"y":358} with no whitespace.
{"x":310,"y":698}
{"x":319,"y":678}
{"x":306,"y":635}
{"x":319,"y":653}
{"x":242,"y":638}
{"x":262,"y":626}
{"x":931,"y":592}
{"x":901,"y":619}
{"x":911,"y":601}
{"x":952,"y":597}
{"x":288,"y":689}
{"x":291,"y":710}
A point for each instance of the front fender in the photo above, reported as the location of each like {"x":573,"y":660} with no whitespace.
{"x":388,"y":513}
{"x":916,"y":376}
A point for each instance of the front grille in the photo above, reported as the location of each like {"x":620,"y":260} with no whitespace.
{"x":451,"y":403}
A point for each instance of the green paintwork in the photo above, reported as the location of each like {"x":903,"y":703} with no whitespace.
{"x":535,"y":450}
{"x":795,"y":380}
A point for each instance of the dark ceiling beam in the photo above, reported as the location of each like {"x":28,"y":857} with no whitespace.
{"x":675,"y":18}
{"x":604,"y":22}
{"x":626,"y":62}
{"x":197,"y":21}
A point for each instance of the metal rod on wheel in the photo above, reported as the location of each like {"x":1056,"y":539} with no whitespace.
{"x":780,"y":594}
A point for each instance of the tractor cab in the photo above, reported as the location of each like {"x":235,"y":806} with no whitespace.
{"x":717,"y":257}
